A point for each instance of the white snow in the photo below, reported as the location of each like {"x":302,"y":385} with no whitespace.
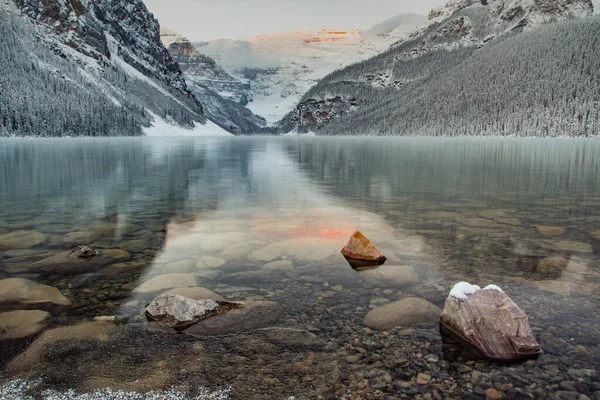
{"x":462,"y":289}
{"x":160,"y":127}
{"x":493,"y":287}
{"x":596,"y":4}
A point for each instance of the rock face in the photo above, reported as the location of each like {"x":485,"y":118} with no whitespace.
{"x":179,"y":312}
{"x":80,"y":260}
{"x":361,"y":252}
{"x":17,"y":293}
{"x":23,"y":323}
{"x":21,"y":240}
{"x":203,"y":317}
{"x":488,"y":321}
{"x":405,"y":312}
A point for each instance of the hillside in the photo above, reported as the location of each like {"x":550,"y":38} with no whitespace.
{"x":89,"y":68}
{"x":506,"y":68}
{"x":224,"y":97}
{"x":280,"y":68}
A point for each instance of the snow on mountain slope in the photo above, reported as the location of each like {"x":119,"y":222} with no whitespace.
{"x":596,"y":4}
{"x":282,"y":67}
{"x":161,"y":127}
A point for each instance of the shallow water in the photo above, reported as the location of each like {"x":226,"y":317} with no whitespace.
{"x":219,"y":209}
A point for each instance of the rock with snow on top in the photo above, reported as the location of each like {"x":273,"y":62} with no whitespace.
{"x":488,"y":321}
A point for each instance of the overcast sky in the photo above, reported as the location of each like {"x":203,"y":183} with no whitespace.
{"x":238,"y":19}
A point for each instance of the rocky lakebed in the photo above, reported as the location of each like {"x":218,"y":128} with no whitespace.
{"x":270,"y":309}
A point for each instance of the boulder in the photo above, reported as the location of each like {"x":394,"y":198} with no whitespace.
{"x":390,"y":276}
{"x":21,"y":240}
{"x":80,"y":260}
{"x":161,"y":283}
{"x":406,"y":312}
{"x":550,"y":230}
{"x":488,"y":323}
{"x":80,"y":238}
{"x":555,"y":266}
{"x":179,"y":312}
{"x":23,"y":323}
{"x":251,"y":315}
{"x":18,"y":293}
{"x":361,"y":252}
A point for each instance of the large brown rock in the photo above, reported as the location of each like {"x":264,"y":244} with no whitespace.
{"x":23,"y":323}
{"x":488,"y":322}
{"x":405,"y":312}
{"x":80,"y":260}
{"x":21,"y":240}
{"x":361,"y":252}
{"x":18,"y":293}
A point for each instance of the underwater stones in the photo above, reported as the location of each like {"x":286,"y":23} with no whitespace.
{"x":283,"y":265}
{"x":202,"y":317}
{"x":23,"y":323}
{"x":442,"y":216}
{"x":221,"y":241}
{"x":96,"y":331}
{"x":302,"y":249}
{"x":497,"y":213}
{"x":555,"y":266}
{"x":564,"y":245}
{"x":80,"y":238}
{"x":134,"y":246}
{"x":80,"y":260}
{"x":209,"y":262}
{"x":550,"y":230}
{"x":595,"y":235}
{"x":251,"y":315}
{"x":122,"y":268}
{"x":195,"y":293}
{"x":406,"y":312}
{"x":161,"y":283}
{"x":508,"y":221}
{"x":360,"y":251}
{"x":179,"y":312}
{"x":390,"y":276}
{"x":235,"y":251}
{"x":18,"y":293}
{"x":481,"y":223}
{"x":489,"y":322}
{"x":254,"y":277}
{"x":21,"y":240}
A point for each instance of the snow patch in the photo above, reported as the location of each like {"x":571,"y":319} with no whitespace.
{"x":161,"y":127}
{"x":462,"y":289}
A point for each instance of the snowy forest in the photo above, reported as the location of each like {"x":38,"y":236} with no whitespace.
{"x":45,"y":93}
{"x":542,"y":82}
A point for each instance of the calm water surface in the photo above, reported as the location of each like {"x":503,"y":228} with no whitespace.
{"x":220,"y":211}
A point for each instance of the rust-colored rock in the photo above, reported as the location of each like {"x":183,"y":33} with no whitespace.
{"x":488,"y":322}
{"x":361,"y":252}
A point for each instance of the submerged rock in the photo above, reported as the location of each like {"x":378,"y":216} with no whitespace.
{"x":555,"y":266}
{"x":179,"y":312}
{"x":18,"y":293}
{"x":405,"y":312}
{"x":204,"y":317}
{"x":550,"y":230}
{"x":488,"y":321}
{"x":161,"y":283}
{"x":23,"y":323}
{"x":390,"y":276}
{"x":361,"y":252}
{"x":80,"y":260}
{"x":21,"y":240}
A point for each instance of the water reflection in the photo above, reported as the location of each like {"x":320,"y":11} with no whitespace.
{"x":256,"y":219}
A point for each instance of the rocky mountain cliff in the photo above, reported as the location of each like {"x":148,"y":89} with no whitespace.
{"x":224,"y":97}
{"x":75,"y":57}
{"x":281,"y":67}
{"x":420,"y":86}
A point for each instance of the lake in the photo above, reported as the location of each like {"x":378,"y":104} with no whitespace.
{"x":263,"y":219}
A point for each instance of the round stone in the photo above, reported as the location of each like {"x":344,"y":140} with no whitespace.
{"x":21,"y":240}
{"x":23,"y":323}
{"x":390,"y":276}
{"x":406,"y":312}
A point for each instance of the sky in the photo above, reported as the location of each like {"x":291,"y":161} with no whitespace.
{"x":203,"y":20}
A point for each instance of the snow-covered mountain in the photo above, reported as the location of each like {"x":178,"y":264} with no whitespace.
{"x":83,"y":67}
{"x":224,"y":97}
{"x":480,"y":67}
{"x":281,"y":67}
